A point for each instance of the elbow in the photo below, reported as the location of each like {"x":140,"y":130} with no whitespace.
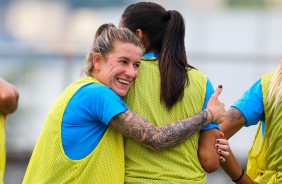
{"x":210,"y":169}
{"x":209,"y":165}
{"x":10,"y":102}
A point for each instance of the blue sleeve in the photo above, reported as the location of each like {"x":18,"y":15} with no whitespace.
{"x":209,"y":92}
{"x":97,"y":102}
{"x":107,"y":104}
{"x":251,"y":104}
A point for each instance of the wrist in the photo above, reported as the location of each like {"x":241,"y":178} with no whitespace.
{"x":239,"y":178}
{"x":210,"y":117}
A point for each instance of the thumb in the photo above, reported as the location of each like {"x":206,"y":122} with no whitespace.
{"x":218,"y":91}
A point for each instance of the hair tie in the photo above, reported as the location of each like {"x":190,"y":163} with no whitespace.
{"x":166,"y":15}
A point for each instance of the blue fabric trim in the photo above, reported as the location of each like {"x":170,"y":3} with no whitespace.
{"x":151,"y":55}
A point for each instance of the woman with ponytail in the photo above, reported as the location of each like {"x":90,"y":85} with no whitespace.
{"x":168,"y":88}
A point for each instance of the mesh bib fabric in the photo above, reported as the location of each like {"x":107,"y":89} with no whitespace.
{"x":265,"y":161}
{"x":179,"y":164}
{"x":49,"y":164}
{"x":2,"y":148}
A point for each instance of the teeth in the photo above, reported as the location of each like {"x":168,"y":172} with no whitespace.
{"x":123,"y":81}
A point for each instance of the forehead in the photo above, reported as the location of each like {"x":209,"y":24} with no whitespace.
{"x":127,"y":48}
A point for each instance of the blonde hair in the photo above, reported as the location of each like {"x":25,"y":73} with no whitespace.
{"x":103,"y":43}
{"x":275,"y":87}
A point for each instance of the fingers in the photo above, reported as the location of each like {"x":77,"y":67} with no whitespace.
{"x":216,"y":107}
{"x":218,"y":91}
{"x":222,"y":147}
{"x":222,"y":144}
{"x":222,"y":159}
{"x":223,"y":153}
{"x":222,"y":140}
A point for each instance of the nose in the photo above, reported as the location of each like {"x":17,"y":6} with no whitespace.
{"x":131,"y":71}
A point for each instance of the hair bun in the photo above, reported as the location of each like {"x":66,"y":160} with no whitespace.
{"x":166,"y":15}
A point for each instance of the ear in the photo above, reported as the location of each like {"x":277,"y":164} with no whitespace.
{"x":97,"y":61}
{"x":139,"y":33}
{"x":143,"y":37}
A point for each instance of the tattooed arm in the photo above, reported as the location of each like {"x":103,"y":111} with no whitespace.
{"x":141,"y":130}
{"x":233,"y":122}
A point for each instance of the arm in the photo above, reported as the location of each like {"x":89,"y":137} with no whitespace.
{"x":233,"y":122}
{"x":8,"y":97}
{"x":234,"y":170}
{"x":211,"y":152}
{"x":139,"y":129}
{"x":207,"y":152}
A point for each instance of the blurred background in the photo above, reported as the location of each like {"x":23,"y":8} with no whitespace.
{"x":43,"y":45}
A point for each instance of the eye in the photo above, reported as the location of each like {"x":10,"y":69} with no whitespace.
{"x":123,"y":62}
{"x":136,"y":65}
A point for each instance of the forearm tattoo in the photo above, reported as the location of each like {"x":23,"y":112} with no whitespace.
{"x":141,"y":130}
{"x":234,"y":114}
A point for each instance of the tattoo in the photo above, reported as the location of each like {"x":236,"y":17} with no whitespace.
{"x":234,"y":114}
{"x":141,"y":130}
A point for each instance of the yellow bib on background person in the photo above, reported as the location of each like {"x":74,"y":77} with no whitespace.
{"x":265,"y":160}
{"x":2,"y":148}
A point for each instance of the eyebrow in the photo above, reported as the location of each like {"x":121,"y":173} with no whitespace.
{"x":125,"y":58}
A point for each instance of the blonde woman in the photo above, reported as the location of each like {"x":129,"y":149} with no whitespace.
{"x":260,"y":104}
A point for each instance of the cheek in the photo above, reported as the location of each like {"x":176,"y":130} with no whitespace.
{"x":137,"y":72}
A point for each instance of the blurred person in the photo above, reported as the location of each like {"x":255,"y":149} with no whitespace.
{"x":261,"y":103}
{"x":168,"y":89}
{"x":81,"y":141}
{"x":9,"y":97}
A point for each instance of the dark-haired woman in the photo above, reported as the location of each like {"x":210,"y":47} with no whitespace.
{"x":168,"y":88}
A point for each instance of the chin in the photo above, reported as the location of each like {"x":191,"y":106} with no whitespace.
{"x":121,"y":93}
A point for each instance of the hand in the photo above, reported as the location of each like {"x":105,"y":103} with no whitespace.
{"x":215,"y":108}
{"x":222,"y":147}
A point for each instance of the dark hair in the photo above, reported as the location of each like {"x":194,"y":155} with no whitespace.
{"x":103,"y":43}
{"x":165,"y":31}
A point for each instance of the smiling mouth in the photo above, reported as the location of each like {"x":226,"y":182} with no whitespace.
{"x":123,"y":81}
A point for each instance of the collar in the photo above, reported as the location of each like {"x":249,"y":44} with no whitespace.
{"x":151,"y":55}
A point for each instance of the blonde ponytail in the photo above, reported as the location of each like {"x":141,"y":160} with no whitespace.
{"x":275,"y":87}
